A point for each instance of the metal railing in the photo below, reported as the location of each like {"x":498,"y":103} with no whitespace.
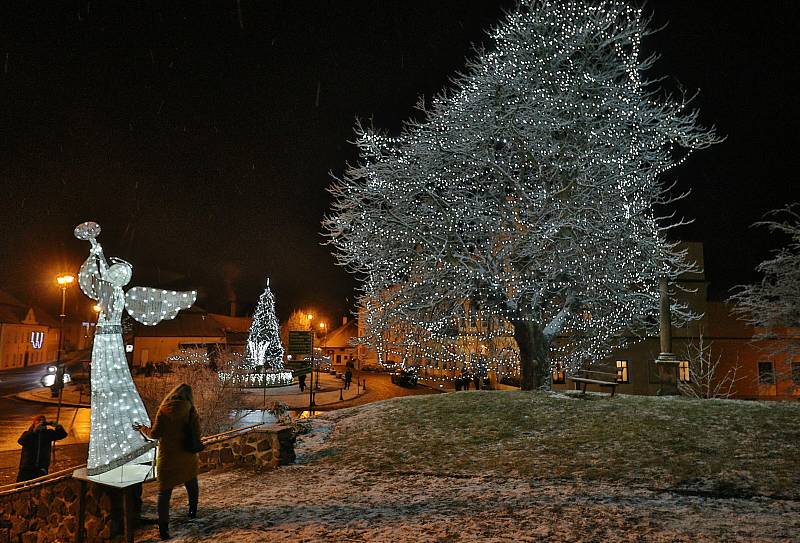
{"x":67,"y":472}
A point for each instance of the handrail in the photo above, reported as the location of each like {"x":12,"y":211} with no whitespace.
{"x":13,"y":487}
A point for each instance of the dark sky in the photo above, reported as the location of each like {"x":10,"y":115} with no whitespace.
{"x":203,"y":147}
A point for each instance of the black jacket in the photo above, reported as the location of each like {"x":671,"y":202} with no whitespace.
{"x":37,"y":447}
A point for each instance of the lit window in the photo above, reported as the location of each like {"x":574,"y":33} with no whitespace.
{"x":766,"y":374}
{"x":683,"y":371}
{"x":796,"y":373}
{"x":622,"y":371}
{"x":559,"y":378}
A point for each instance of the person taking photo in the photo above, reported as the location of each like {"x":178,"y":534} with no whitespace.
{"x":37,"y":446}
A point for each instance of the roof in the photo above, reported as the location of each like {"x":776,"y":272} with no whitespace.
{"x":186,"y":324}
{"x":197,"y":323}
{"x":340,"y":337}
{"x":233,"y":324}
{"x":13,"y":311}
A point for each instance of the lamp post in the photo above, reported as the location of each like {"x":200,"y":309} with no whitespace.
{"x":310,"y":318}
{"x":64,"y":281}
{"x":323,"y":328}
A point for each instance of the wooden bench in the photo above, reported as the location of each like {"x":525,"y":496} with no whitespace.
{"x":595,"y":377}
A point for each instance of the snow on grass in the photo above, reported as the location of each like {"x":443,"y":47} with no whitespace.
{"x":508,"y":466}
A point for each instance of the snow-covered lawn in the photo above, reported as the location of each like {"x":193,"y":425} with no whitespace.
{"x":490,"y":466}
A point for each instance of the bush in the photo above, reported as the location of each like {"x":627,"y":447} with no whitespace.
{"x":216,"y":399}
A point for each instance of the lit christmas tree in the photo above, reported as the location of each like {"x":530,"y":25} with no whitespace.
{"x":263,"y":344}
{"x":525,"y":198}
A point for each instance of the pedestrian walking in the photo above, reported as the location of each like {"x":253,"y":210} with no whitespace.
{"x":348,"y":378}
{"x":37,"y":446}
{"x":177,"y":428}
{"x":301,"y":381}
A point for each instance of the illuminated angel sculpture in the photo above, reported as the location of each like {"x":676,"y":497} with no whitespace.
{"x":116,"y":403}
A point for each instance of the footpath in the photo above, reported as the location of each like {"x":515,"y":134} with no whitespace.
{"x":72,"y":396}
{"x":329,"y":392}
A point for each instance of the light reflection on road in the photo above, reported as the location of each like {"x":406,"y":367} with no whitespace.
{"x":16,"y":417}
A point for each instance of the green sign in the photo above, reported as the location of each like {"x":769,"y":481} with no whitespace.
{"x":299,"y":343}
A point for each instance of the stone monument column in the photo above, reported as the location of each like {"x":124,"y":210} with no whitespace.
{"x":666,"y":363}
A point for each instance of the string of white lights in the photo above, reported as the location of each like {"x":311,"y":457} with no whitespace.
{"x":526,"y":196}
{"x":115,"y":402}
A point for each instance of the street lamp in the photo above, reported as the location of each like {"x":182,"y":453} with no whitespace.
{"x":322,"y":327}
{"x":64,"y":280}
{"x":310,"y":318}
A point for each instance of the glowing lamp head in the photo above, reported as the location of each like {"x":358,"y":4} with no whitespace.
{"x":65,"y":279}
{"x":309,"y":316}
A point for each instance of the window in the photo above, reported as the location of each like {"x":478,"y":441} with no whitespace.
{"x":683,"y":371}
{"x":796,"y":373}
{"x":766,"y":375}
{"x":622,"y":371}
{"x":559,"y":378}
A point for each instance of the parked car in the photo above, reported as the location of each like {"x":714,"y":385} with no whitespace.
{"x":405,"y":377}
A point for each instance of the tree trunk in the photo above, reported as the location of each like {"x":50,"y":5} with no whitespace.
{"x":533,"y":362}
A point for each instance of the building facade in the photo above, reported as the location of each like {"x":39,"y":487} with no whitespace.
{"x":28,"y":335}
{"x":744,"y":366}
{"x":192,"y":329}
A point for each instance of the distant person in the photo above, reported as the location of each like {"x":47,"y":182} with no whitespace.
{"x":477,"y":381}
{"x":302,"y":381}
{"x":149,"y":369}
{"x":37,"y":443}
{"x":348,"y":378}
{"x":177,"y":465}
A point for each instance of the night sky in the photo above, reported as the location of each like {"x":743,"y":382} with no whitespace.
{"x":203,"y":142}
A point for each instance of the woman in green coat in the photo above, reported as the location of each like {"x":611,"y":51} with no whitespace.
{"x":176,"y":464}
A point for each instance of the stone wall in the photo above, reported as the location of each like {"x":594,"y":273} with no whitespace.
{"x":261,"y":448}
{"x":53,"y":511}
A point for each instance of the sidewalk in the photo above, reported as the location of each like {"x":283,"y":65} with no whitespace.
{"x":326,"y":396}
{"x":72,"y":396}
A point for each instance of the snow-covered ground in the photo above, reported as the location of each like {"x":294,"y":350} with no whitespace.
{"x":311,"y":503}
{"x":318,"y":501}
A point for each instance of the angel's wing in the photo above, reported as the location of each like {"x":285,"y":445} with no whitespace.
{"x":152,"y":305}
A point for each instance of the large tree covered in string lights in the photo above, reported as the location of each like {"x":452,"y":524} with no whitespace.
{"x":526,"y":192}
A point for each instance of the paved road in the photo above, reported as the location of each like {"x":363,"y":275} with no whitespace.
{"x":16,"y":415}
{"x":380,"y":387}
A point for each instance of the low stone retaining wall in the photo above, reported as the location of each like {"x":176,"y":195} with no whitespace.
{"x":261,"y":448}
{"x":64,"y":509}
